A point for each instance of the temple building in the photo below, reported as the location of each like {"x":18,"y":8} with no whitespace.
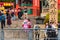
{"x":33,"y":6}
{"x":36,"y":7}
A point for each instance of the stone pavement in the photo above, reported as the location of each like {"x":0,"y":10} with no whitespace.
{"x":16,"y":34}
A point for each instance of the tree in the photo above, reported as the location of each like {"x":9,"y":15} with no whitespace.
{"x":47,"y":17}
{"x":58,"y":15}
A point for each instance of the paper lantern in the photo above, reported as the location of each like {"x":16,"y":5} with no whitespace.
{"x":4,"y":4}
{"x":9,"y":4}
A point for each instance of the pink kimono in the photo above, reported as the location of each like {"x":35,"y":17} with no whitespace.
{"x":25,"y":25}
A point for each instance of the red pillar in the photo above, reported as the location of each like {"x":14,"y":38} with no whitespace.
{"x":17,"y":5}
{"x":36,"y":7}
{"x":59,"y":4}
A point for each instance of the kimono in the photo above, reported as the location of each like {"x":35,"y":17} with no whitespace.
{"x":9,"y":20}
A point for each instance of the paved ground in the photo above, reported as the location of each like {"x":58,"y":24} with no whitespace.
{"x":16,"y":34}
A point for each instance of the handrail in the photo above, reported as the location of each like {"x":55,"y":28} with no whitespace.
{"x":28,"y":29}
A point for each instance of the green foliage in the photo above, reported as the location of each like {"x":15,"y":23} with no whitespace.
{"x":58,"y":15}
{"x":47,"y":17}
{"x":0,"y":0}
{"x":7,"y":0}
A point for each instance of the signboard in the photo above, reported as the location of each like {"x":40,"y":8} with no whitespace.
{"x":6,"y":4}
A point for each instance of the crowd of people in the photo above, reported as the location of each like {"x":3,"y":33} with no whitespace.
{"x":27,"y":24}
{"x":11,"y":16}
{"x":4,"y":17}
{"x":52,"y":32}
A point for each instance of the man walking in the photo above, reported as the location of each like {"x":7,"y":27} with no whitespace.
{"x":2,"y":21}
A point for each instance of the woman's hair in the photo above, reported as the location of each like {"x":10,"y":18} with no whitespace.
{"x":28,"y":19}
{"x":25,"y":18}
{"x":46,"y":24}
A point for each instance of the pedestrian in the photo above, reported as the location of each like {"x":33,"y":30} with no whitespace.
{"x":13,"y":14}
{"x":30,"y":31}
{"x":59,"y":31}
{"x":46,"y":26}
{"x":25,"y":25}
{"x":9,"y":20}
{"x":7,"y":13}
{"x":2,"y":12}
{"x":51,"y":31}
{"x":45,"y":35}
{"x":0,"y":16}
{"x":37,"y":32}
{"x":20,"y":13}
{"x":3,"y":21}
{"x":25,"y":13}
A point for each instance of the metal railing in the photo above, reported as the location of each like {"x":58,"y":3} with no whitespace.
{"x":27,"y":34}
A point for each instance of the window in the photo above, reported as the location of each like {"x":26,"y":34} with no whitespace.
{"x":25,"y":3}
{"x":45,"y":6}
{"x":45,"y":3}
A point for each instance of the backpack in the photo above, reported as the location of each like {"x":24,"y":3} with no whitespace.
{"x":36,"y":28}
{"x":3,"y":18}
{"x":29,"y":24}
{"x":12,"y":14}
{"x":25,"y":25}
